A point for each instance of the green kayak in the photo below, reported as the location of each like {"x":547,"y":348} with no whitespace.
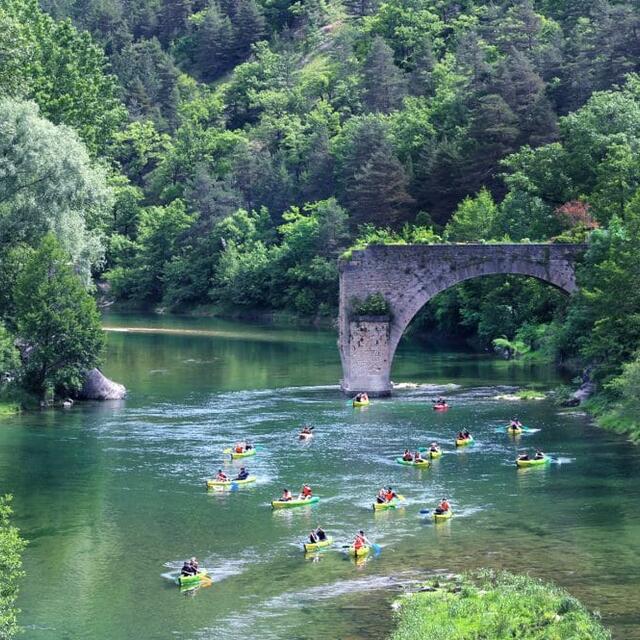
{"x":523,"y":464}
{"x":192,"y":581}
{"x":411,"y":463}
{"x":289,"y":504}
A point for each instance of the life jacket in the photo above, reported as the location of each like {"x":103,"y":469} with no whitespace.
{"x":358,"y":543}
{"x":287,"y":495}
{"x":306,"y":491}
{"x":239,"y":449}
{"x":444,"y":505}
{"x":221,"y":476}
{"x":388,"y":495}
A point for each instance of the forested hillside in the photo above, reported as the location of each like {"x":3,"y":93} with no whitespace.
{"x":224,"y":153}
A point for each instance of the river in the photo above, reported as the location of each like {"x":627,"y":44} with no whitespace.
{"x":112,"y":496}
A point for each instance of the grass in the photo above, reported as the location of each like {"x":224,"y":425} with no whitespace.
{"x":496,"y":606}
{"x":529,"y":394}
{"x":8,"y":409}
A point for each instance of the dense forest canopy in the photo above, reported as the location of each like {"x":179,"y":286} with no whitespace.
{"x":224,"y":153}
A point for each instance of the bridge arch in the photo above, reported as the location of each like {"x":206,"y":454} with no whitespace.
{"x":408,"y":276}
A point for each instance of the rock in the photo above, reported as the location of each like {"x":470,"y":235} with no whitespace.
{"x":98,"y":387}
{"x":583,"y":393}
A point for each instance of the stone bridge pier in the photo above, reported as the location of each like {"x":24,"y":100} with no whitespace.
{"x":408,"y":276}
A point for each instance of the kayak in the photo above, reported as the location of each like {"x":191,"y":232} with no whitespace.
{"x":382,"y":506}
{"x":440,"y":407}
{"x":360,"y":403}
{"x":244,"y":454}
{"x":464,"y":441}
{"x":314,"y":546}
{"x":191,"y":581}
{"x":228,"y":483}
{"x":533,"y":463}
{"x":359,"y":553}
{"x":410,"y":463}
{"x":289,"y":504}
{"x":435,"y":454}
{"x":515,"y":431}
{"x":439,"y":517}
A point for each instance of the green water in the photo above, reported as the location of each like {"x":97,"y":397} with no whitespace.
{"x":112,"y":498}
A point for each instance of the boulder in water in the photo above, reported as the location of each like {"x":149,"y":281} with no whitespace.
{"x":98,"y":387}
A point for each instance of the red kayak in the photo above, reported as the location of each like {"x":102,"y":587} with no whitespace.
{"x":440,"y":407}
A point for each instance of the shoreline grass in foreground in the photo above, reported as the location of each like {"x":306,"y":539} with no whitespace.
{"x":497,"y":606}
{"x":9,"y":409}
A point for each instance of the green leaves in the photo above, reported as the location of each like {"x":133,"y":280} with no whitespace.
{"x":11,"y":547}
{"x":57,"y":321}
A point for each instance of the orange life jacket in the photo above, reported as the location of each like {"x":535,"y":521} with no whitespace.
{"x":239,"y":449}
{"x":358,"y":543}
{"x":306,"y":491}
{"x":388,"y":496}
{"x":444,"y":505}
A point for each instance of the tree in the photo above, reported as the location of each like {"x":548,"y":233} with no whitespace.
{"x":48,"y":183}
{"x":64,"y":72}
{"x":384,"y":85}
{"x":11,"y":547}
{"x":57,"y":321}
{"x":210,"y":51}
{"x":9,"y":360}
{"x":474,"y":219}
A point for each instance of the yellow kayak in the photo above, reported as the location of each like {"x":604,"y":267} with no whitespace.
{"x":463,"y":442}
{"x":435,"y":454}
{"x":438,"y":517}
{"x":290,"y":504}
{"x":412,"y":463}
{"x":228,"y":483}
{"x":533,"y":462}
{"x":360,"y":403}
{"x":314,"y":546}
{"x":514,"y":431}
{"x":244,"y":454}
{"x":361,"y":552}
{"x":192,"y":581}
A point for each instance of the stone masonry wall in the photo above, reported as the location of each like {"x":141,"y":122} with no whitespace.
{"x":408,"y":276}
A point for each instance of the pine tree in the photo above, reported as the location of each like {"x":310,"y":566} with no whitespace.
{"x":211,"y":42}
{"x":379,"y":191}
{"x":384,"y":85}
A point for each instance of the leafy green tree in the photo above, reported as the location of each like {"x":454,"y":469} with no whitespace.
{"x":64,"y":72}
{"x":11,"y":547}
{"x":58,"y":322}
{"x":48,"y":183}
{"x":474,"y":219}
{"x":9,"y":360}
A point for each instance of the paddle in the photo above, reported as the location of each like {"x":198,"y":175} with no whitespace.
{"x":425,"y":511}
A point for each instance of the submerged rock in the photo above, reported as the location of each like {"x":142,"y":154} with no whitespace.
{"x":98,"y":387}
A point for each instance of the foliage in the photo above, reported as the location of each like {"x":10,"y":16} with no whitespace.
{"x":49,"y":184}
{"x":57,"y":321}
{"x":11,"y":547}
{"x":510,"y":348}
{"x":496,"y":605}
{"x":9,"y":359}
{"x":374,"y":304}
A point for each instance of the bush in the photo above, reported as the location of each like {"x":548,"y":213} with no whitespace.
{"x":373,"y":305}
{"x":500,"y":606}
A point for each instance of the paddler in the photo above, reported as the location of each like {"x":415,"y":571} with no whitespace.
{"x":381,"y":498}
{"x":286,"y":496}
{"x":417,"y":457}
{"x":539,"y":455}
{"x":221,"y":476}
{"x":187,"y":569}
{"x":306,"y":492}
{"x":390,"y":494}
{"x":406,"y":456}
{"x":317,"y":535}
{"x":240,"y":447}
{"x":243,"y":474}
{"x":443,"y":507}
{"x":360,"y":541}
{"x":523,"y":456}
{"x":306,"y":431}
{"x":466,"y":435}
{"x":434,"y":448}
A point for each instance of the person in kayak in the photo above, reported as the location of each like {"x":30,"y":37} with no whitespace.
{"x":417,"y":457}
{"x":434,"y":448}
{"x":390,"y":494}
{"x":187,"y":569}
{"x":240,"y":447}
{"x":305,"y":431}
{"x":286,"y":496}
{"x":360,"y":541}
{"x":539,"y":455}
{"x":406,"y":456}
{"x":381,"y":498}
{"x":317,"y":535}
{"x":524,"y":456}
{"x":243,"y":474}
{"x":443,"y":507}
{"x":306,"y":492}
{"x":221,"y":476}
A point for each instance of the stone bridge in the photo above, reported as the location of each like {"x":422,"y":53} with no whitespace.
{"x":408,"y":276}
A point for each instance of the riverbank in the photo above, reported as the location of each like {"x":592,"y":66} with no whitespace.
{"x":495,"y":605}
{"x":8,"y":409}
